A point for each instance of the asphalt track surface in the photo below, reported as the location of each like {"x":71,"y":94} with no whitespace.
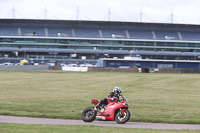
{"x":30,"y":120}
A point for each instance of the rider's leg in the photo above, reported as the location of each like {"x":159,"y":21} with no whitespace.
{"x":103,"y":101}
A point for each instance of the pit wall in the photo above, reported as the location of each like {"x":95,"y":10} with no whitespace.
{"x":112,"y":69}
{"x":133,"y":70}
{"x":26,"y":67}
{"x":177,"y":70}
{"x":145,"y":70}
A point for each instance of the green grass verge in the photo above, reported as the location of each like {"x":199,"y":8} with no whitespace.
{"x":22,"y":128}
{"x":169,"y":98}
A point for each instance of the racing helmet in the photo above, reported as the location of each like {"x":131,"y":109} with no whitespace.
{"x":117,"y":90}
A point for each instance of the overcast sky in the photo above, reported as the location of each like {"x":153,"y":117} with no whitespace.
{"x":159,"y":11}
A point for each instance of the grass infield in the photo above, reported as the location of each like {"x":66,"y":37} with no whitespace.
{"x":22,"y":128}
{"x":167,"y":98}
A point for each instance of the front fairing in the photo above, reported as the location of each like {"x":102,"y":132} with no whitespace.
{"x":109,"y":112}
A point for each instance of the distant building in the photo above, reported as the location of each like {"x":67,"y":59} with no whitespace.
{"x":76,"y":41}
{"x":149,"y":63}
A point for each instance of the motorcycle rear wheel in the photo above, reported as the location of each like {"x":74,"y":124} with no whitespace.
{"x":88,"y":115}
{"x":121,"y":119}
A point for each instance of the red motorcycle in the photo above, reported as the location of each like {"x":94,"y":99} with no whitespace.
{"x":114,"y":110}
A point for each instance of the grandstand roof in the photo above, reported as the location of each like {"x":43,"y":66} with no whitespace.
{"x":98,"y":24}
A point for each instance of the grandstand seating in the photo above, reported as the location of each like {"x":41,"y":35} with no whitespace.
{"x":188,"y":35}
{"x":113,"y":33}
{"x":32,"y":31}
{"x":140,"y":34}
{"x":81,"y":32}
{"x":59,"y":32}
{"x":95,"y":33}
{"x":8,"y":31}
{"x":168,"y":35}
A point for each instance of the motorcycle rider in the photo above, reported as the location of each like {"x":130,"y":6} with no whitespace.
{"x":114,"y":95}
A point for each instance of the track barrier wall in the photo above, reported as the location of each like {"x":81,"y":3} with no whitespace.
{"x":26,"y":67}
{"x":104,"y":69}
{"x":145,"y":70}
{"x":177,"y":70}
{"x":112,"y":69}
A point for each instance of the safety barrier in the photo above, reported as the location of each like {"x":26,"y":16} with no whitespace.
{"x":26,"y":67}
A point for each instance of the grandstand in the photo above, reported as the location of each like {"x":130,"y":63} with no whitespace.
{"x":66,"y":41}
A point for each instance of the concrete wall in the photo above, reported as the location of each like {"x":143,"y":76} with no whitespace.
{"x":112,"y":69}
{"x":27,"y":67}
{"x":144,"y":70}
{"x":177,"y":70}
{"x":136,"y":70}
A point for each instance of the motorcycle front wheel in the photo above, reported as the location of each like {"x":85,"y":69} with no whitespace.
{"x":121,"y":119}
{"x":88,"y":115}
